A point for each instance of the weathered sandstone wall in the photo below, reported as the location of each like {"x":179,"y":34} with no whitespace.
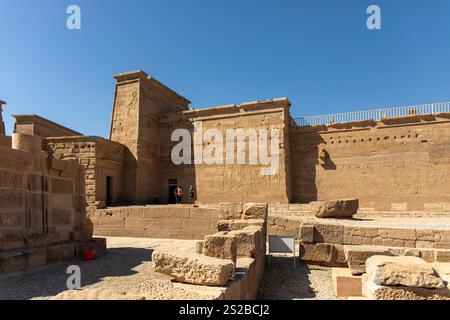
{"x":393,"y":165}
{"x":216,"y":183}
{"x":100,"y":157}
{"x":39,"y":126}
{"x":42,"y":204}
{"x":165,"y":222}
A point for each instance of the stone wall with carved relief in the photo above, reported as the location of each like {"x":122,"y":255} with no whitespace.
{"x":42,"y":204}
{"x":399,"y":164}
{"x":230,"y":181}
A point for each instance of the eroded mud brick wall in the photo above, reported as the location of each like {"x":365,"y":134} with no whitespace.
{"x":215,"y":183}
{"x":139,"y":101}
{"x":399,"y":164}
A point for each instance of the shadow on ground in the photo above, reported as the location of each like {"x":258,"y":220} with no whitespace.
{"x":52,"y":279}
{"x":282,"y":281}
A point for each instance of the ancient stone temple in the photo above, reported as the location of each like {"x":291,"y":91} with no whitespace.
{"x":390,"y":164}
{"x":346,"y":188}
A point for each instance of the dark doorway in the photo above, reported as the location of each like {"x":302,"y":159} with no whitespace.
{"x":109,"y":182}
{"x":173,"y":183}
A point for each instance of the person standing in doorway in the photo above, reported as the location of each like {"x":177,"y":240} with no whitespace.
{"x":191,"y":194}
{"x":179,"y":195}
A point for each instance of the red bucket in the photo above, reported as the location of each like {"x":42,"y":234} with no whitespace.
{"x":88,"y":254}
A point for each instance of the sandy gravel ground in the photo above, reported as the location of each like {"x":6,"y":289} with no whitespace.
{"x":127,"y":268}
{"x":304,"y":282}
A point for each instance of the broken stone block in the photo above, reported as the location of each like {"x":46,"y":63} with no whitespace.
{"x":221,"y":245}
{"x":357,"y":255}
{"x":249,"y":241}
{"x":321,"y":253}
{"x":326,"y":254}
{"x":231,"y":225}
{"x":230,"y":210}
{"x":345,"y":208}
{"x":373,"y":291}
{"x":402,"y":271}
{"x":255,"y":211}
{"x":189,"y":267}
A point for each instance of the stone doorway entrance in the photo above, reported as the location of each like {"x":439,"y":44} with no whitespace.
{"x":109,"y":182}
{"x":173,"y":183}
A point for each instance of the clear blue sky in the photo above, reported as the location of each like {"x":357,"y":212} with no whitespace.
{"x":318,"y":53}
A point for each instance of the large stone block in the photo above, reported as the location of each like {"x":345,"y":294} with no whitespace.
{"x":221,"y":245}
{"x":249,"y":241}
{"x":321,"y":253}
{"x":255,"y":211}
{"x":231,"y":210}
{"x":357,"y":255}
{"x":402,"y":271}
{"x":373,"y":291}
{"x":329,"y":233}
{"x":345,"y":208}
{"x":230,"y":225}
{"x":397,"y":233}
{"x":190,"y":267}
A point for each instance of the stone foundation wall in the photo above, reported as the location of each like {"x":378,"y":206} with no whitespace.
{"x":360,"y":233}
{"x":348,"y":243}
{"x":166,"y":222}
